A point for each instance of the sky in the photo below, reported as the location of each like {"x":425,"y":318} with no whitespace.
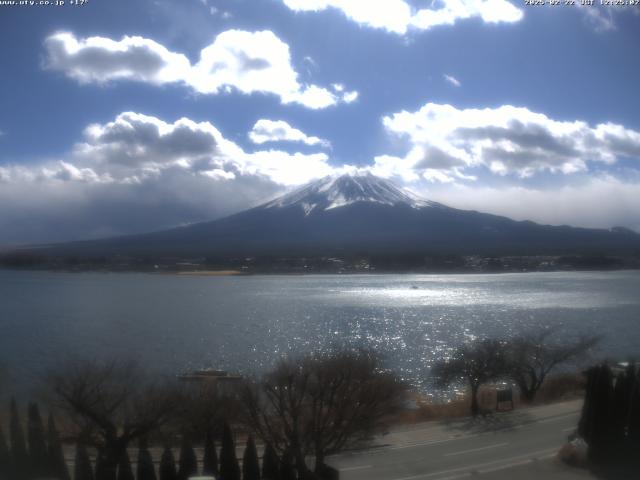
{"x":120,"y":116}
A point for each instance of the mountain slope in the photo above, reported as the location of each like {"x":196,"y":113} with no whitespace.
{"x":359,"y":214}
{"x":335,"y":192}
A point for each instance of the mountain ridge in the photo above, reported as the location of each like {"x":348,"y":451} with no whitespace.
{"x":356,"y":214}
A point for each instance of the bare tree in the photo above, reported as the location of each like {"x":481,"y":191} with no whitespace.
{"x":475,"y":363}
{"x":350,"y":399}
{"x":321,"y":405}
{"x":531,"y":357}
{"x":275,"y":409}
{"x":111,"y":404}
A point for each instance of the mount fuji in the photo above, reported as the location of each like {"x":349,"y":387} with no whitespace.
{"x":359,"y":214}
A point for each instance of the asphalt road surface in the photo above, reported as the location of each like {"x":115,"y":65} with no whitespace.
{"x":437,"y":451}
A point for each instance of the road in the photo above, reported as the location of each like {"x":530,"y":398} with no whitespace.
{"x":437,"y":451}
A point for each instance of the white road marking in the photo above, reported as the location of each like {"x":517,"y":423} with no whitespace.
{"x":471,"y":450}
{"x":516,"y":464}
{"x":559,"y":417}
{"x":432,"y":442}
{"x":360,"y":467}
{"x":384,"y":449}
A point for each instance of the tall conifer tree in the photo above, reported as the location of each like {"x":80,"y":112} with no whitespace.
{"x":37,"y":443}
{"x":5,"y":456}
{"x":168,"y":465}
{"x":229,"y":467}
{"x":145,"y":469}
{"x":250,"y":463}
{"x":210,"y":460}
{"x":19,"y":455}
{"x":270,"y":464}
{"x":57,"y":465}
{"x":188,"y":464}
{"x":125,"y":472}
{"x":287,"y":472}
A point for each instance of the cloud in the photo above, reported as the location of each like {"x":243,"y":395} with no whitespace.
{"x":139,"y":173}
{"x":398,"y":16}
{"x":290,"y":169}
{"x":213,"y":11}
{"x":345,"y":95}
{"x":37,"y":210}
{"x":135,"y":146}
{"x":604,"y":18}
{"x":246,"y":62}
{"x":452,"y":80}
{"x":445,"y":143}
{"x":596,"y":202}
{"x":601,"y":19}
{"x":350,"y":97}
{"x":266,"y":130}
{"x":100,"y":60}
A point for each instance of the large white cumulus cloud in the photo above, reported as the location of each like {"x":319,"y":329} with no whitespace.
{"x":398,"y":16}
{"x":247,"y":62}
{"x":446,"y":143}
{"x":99,"y":59}
{"x":135,"y":146}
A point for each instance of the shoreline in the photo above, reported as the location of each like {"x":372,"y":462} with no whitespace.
{"x":239,"y":273}
{"x":206,"y":273}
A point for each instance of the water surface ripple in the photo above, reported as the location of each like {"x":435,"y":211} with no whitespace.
{"x":172,"y":323}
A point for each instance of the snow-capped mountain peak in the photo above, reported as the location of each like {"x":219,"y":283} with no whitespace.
{"x":339,"y":191}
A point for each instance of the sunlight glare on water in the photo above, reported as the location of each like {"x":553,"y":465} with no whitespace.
{"x":244,"y":324}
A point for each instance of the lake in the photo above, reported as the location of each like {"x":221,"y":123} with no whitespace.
{"x":173,"y":323}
